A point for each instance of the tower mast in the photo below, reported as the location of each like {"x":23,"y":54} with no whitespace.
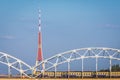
{"x":39,"y":53}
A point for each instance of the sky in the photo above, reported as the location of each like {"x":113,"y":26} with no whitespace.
{"x":66,"y":25}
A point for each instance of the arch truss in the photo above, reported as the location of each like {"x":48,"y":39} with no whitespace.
{"x":79,"y":54}
{"x":18,"y":65}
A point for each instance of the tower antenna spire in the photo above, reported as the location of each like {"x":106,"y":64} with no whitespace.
{"x":39,"y":19}
{"x":39,"y":52}
{"x":39,"y":57}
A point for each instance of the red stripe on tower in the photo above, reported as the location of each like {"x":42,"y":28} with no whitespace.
{"x":39,"y":56}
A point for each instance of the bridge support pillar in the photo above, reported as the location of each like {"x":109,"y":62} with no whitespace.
{"x":54,"y":74}
{"x":82,"y":75}
{"x":110,"y":68}
{"x":68,"y":74}
{"x":96,"y":73}
{"x":96,"y":67}
{"x":82,"y":68}
{"x":109,"y":74}
{"x":9,"y":72}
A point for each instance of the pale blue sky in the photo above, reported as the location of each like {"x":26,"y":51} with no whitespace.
{"x":66,"y":25}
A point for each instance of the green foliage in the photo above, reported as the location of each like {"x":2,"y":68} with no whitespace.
{"x":116,"y":67}
{"x":104,"y":70}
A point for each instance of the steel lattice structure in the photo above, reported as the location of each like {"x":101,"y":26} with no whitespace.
{"x":58,"y":59}
{"x":79,"y":54}
{"x":16,"y":64}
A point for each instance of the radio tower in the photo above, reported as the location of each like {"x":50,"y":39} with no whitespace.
{"x":39,"y":53}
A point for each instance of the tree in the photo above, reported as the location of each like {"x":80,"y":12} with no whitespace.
{"x":114,"y":68}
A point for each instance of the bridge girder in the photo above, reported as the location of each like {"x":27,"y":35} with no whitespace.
{"x":79,"y":54}
{"x":61,"y":58}
{"x":14,"y":63}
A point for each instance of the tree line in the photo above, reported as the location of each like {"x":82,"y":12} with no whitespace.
{"x":114,"y":68}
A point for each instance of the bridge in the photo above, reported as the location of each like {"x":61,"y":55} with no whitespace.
{"x":63,"y":64}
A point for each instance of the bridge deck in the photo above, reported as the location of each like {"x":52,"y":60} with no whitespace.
{"x":62,"y":79}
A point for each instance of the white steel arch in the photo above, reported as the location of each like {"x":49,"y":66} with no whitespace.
{"x":16,"y":64}
{"x":77,"y":54}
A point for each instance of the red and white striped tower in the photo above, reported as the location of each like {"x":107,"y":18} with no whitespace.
{"x":39,"y":53}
